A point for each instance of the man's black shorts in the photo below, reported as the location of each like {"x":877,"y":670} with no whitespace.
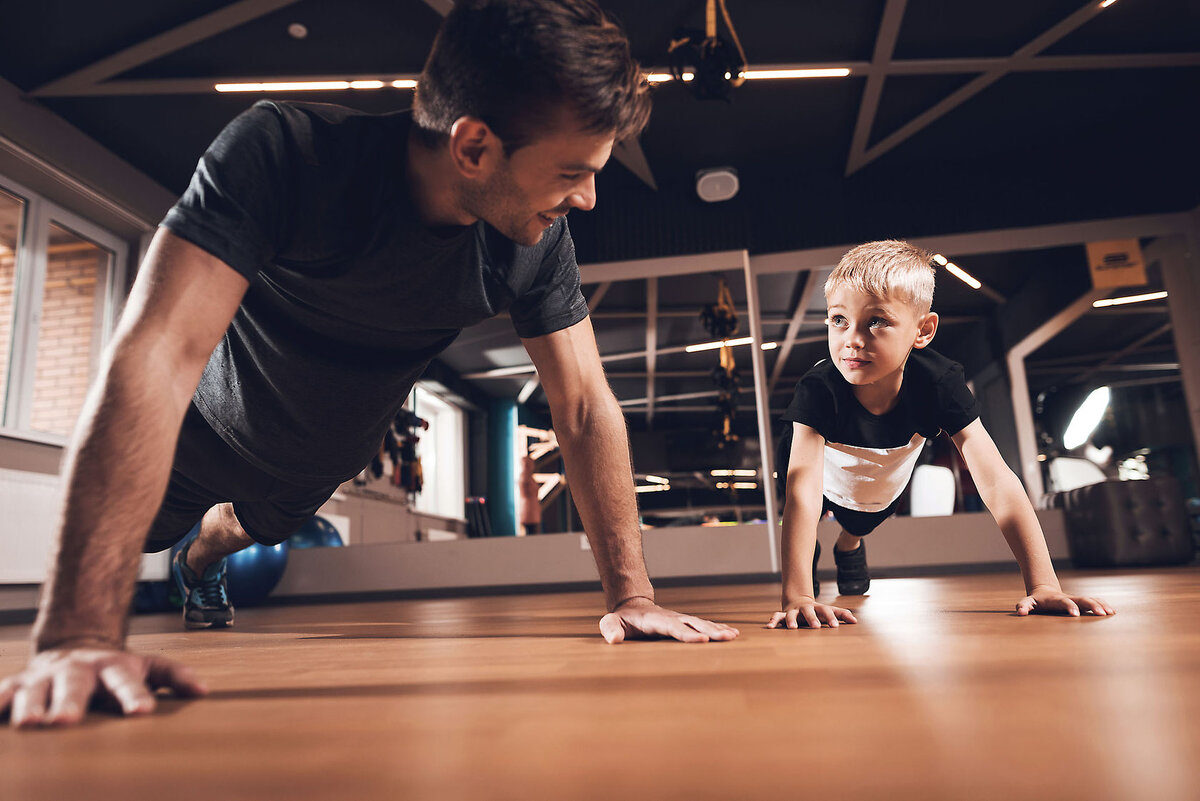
{"x":208,"y":472}
{"x":860,"y":524}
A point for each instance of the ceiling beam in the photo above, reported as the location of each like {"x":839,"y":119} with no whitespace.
{"x":1125,"y":351}
{"x":973,"y":87}
{"x":793,"y":329}
{"x":885,"y":44}
{"x":177,"y":38}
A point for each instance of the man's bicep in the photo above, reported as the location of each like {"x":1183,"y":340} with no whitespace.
{"x":184,"y":297}
{"x":568,"y":363}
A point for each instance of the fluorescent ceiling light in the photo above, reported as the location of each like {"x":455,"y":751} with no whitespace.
{"x":762,"y":75}
{"x":653,"y":488}
{"x":658,"y":480}
{"x":716,"y":473}
{"x":1129,"y":299}
{"x":768,"y":75}
{"x":730,"y":342}
{"x":962,"y":275}
{"x":1086,"y":418}
{"x":940,"y":259}
{"x":663,"y":77}
{"x":745,"y":485}
{"x":313,"y":86}
{"x":1107,"y":3}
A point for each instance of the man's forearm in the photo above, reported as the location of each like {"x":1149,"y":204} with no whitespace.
{"x":116,"y":473}
{"x":595,"y":447}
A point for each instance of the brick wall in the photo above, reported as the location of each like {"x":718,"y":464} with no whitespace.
{"x":7,"y":270}
{"x":67,"y":329}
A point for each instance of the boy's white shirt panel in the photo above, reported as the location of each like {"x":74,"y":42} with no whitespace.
{"x":869,"y":479}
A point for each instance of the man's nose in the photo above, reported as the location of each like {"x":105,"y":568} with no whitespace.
{"x":584,"y":198}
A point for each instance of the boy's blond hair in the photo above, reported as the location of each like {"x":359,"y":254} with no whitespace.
{"x":888,"y":268}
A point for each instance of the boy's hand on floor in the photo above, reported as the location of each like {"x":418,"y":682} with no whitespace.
{"x":1046,"y":601}
{"x":811,"y":614}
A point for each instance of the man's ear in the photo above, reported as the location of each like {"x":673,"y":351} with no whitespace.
{"x":473,"y":147}
{"x":926,"y":328}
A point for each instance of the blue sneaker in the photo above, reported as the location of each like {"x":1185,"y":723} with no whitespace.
{"x":205,"y":598}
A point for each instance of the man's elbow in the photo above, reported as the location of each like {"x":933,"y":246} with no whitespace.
{"x":584,"y":412}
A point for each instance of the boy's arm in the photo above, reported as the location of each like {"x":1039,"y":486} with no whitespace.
{"x":1004,"y":496}
{"x":801,"y":512}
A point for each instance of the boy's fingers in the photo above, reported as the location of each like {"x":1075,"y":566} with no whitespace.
{"x":811,"y":617}
{"x":828,"y":615}
{"x":776,"y":619}
{"x":1025,"y":605}
{"x":793,"y":619}
{"x":1071,"y":607}
{"x":1094,"y":606}
{"x":846,"y":615}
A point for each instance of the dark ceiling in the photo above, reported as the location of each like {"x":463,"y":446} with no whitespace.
{"x":1056,"y":111}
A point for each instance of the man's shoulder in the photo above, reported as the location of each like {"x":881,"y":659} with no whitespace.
{"x":325,"y":133}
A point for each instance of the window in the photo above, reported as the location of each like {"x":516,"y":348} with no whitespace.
{"x":441,"y":451}
{"x":12,"y":214}
{"x":61,"y":281}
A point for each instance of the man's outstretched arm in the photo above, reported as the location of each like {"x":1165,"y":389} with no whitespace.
{"x":595,"y":445}
{"x":116,"y":472}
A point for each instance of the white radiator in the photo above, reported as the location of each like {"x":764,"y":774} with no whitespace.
{"x":29,"y":505}
{"x":29,"y":508}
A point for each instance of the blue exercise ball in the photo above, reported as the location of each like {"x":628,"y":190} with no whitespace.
{"x":251,"y":573}
{"x":316,"y":533}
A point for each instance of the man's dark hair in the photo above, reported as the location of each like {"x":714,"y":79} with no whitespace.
{"x":514,"y":63}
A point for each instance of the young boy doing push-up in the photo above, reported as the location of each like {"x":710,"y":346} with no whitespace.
{"x":859,"y":421}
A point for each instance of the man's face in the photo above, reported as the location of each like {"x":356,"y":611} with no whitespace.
{"x":869,"y":337}
{"x":540,"y":182}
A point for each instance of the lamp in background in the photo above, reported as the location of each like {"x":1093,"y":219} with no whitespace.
{"x":1086,"y":418}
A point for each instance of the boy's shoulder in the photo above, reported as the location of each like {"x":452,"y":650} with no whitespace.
{"x":927,"y":367}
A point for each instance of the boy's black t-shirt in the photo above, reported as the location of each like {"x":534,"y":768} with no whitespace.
{"x":350,"y":296}
{"x":870,"y":458}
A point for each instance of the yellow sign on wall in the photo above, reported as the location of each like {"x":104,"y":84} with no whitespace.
{"x":1116,"y":262}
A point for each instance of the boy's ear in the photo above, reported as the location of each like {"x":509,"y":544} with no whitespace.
{"x":473,"y":147}
{"x":926,"y":328}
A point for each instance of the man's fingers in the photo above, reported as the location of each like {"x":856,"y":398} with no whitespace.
{"x":714,"y":631}
{"x":682,"y":630}
{"x":1071,"y":607}
{"x":180,"y":679}
{"x":612,"y":628}
{"x":128,"y":688}
{"x":69,"y":695}
{"x":29,"y":703}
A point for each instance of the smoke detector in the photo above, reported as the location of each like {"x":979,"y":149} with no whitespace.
{"x":716,"y":184}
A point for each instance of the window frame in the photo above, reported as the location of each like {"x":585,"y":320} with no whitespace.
{"x":29,"y":278}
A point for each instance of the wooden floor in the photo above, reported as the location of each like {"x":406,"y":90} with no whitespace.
{"x":938,"y":692}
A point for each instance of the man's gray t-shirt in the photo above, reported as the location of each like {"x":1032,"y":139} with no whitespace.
{"x":350,"y":296}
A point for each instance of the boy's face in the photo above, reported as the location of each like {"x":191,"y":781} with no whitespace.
{"x":526,"y":191}
{"x":870,"y":337}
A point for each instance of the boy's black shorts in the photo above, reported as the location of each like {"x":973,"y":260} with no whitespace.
{"x":860,"y":524}
{"x":208,"y":472}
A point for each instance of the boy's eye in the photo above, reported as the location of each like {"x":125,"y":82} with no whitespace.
{"x":878,"y":322}
{"x":837,"y":321}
